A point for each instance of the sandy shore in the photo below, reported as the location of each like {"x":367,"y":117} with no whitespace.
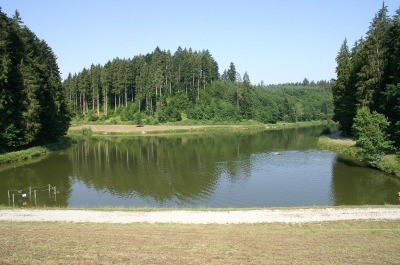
{"x":203,"y":217}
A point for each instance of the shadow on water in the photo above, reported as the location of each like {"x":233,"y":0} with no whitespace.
{"x":52,"y":170}
{"x":354,"y":185}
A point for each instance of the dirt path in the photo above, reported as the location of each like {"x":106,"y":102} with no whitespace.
{"x":143,"y":129}
{"x":204,"y":217}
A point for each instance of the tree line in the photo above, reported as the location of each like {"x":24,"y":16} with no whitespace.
{"x":368,"y":75}
{"x":162,"y":87}
{"x":33,"y":108}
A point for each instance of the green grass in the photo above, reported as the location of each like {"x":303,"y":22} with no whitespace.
{"x":34,"y":152}
{"x":347,"y":151}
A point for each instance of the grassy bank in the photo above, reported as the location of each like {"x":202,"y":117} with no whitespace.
{"x":183,"y":128}
{"x":33,"y":152}
{"x":349,"y":242}
{"x":347,"y":151}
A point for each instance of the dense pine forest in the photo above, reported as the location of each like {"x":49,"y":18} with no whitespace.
{"x":163,"y":87}
{"x":368,"y":75}
{"x":367,"y":87}
{"x":33,"y":108}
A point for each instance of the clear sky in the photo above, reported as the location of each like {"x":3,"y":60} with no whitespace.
{"x":274,"y":41}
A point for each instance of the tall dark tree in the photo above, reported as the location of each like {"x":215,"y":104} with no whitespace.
{"x":343,"y":102}
{"x":231,"y":73}
{"x":33,"y":107}
{"x":373,"y":80}
{"x":371,"y":77}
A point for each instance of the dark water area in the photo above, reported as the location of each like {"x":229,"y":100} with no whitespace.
{"x":234,"y":169}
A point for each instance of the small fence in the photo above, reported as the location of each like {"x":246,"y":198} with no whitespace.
{"x":29,"y":196}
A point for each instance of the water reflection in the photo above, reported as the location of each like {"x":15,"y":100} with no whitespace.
{"x":354,"y":185}
{"x":175,"y":170}
{"x":233,"y":169}
{"x":52,"y":170}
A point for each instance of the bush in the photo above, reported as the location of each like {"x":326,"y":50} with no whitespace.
{"x":372,"y":139}
{"x":92,"y":116}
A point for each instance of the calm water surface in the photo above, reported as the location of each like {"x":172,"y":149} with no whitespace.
{"x":255,"y":169}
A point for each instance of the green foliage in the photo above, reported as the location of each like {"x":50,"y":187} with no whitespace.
{"x":169,"y":88}
{"x":87,"y":131}
{"x":139,"y":120}
{"x":372,"y":139}
{"x":129,"y":113}
{"x":33,"y":108}
{"x":368,"y":75}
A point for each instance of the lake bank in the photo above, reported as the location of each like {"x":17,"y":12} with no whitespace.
{"x":129,"y":129}
{"x":346,"y":150}
{"x":34,"y":152}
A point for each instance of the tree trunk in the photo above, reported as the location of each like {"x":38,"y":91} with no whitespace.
{"x":98,"y":102}
{"x":106,"y":105}
{"x":126,"y":97}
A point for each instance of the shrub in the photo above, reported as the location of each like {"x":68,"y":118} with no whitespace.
{"x":372,"y":139}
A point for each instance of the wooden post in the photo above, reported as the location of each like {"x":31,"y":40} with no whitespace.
{"x":34,"y":192}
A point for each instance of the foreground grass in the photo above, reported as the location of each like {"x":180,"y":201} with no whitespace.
{"x":350,"y":242}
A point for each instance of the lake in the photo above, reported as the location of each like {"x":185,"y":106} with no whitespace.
{"x":234,"y":169}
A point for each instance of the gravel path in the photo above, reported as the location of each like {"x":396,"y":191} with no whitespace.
{"x":203,"y":217}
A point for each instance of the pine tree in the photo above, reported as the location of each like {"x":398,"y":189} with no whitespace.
{"x":231,"y":73}
{"x":372,"y":74}
{"x":343,"y":100}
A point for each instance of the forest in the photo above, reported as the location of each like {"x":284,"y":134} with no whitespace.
{"x":36,"y":105}
{"x":163,"y":87}
{"x":367,"y":89}
{"x":33,"y":106}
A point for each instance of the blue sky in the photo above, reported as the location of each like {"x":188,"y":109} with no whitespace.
{"x":274,"y":41}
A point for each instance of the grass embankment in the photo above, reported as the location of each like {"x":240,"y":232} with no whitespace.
{"x":347,"y":151}
{"x":134,"y":130}
{"x":349,"y":242}
{"x":34,"y":152}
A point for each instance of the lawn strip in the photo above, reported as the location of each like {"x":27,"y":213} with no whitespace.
{"x":345,"y":242}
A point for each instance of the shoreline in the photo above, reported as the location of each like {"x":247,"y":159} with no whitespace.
{"x":346,"y":150}
{"x":298,"y":216}
{"x":131,"y":129}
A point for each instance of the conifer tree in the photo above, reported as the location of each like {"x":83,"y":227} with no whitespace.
{"x":344,"y":100}
{"x":32,"y":101}
{"x":231,"y":73}
{"x":371,"y":82}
